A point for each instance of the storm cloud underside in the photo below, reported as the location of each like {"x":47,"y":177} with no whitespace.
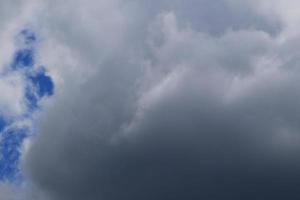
{"x":162,"y":100}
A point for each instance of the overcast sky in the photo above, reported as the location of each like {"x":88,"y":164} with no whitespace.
{"x":149,"y":100}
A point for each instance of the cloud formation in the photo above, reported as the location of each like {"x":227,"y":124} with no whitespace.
{"x":166,"y":100}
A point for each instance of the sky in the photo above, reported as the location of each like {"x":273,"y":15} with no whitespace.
{"x":149,"y":100}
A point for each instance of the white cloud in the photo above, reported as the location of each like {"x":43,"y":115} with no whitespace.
{"x":153,"y":94}
{"x":12,"y":89}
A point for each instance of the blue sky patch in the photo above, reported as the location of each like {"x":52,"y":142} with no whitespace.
{"x":38,"y":85}
{"x":10,"y":153}
{"x":43,"y":83}
{"x":23,"y":58}
{"x":2,"y":123}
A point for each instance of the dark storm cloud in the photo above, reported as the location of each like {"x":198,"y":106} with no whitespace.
{"x":181,"y":105}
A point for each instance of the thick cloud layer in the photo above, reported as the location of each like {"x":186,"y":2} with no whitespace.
{"x":166,"y":100}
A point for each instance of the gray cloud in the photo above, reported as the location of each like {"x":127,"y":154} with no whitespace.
{"x":167,"y":100}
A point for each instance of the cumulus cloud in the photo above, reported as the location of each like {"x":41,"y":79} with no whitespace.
{"x":165,"y":100}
